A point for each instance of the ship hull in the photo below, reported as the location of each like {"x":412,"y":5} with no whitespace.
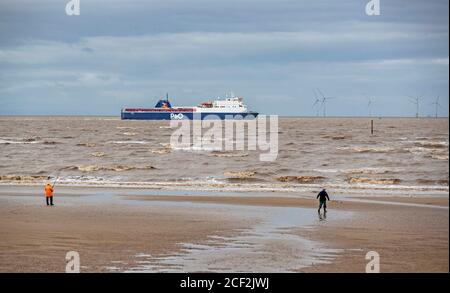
{"x":173,"y":115}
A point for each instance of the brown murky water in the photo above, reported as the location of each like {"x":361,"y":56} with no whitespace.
{"x":403,"y":156}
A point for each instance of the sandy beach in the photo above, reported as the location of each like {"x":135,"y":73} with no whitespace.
{"x":133,"y":230}
{"x":35,"y":238}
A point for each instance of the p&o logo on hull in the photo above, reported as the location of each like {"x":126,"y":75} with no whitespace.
{"x":176,"y":116}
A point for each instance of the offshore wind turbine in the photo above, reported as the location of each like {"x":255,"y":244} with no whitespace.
{"x":415,"y":101}
{"x":324,"y":102}
{"x":316,"y":102}
{"x":369,"y":105}
{"x":437,"y":105}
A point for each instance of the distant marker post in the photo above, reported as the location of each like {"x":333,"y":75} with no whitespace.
{"x":371,"y":127}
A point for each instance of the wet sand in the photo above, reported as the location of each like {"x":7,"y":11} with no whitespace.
{"x":35,"y":238}
{"x":439,"y":201}
{"x":408,"y":239}
{"x":340,"y":204}
{"x":110,"y":231}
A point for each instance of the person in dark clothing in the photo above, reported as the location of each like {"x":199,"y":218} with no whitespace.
{"x":49,"y":200}
{"x":323,"y":197}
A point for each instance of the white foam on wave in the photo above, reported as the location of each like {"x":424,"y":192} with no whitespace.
{"x":219,"y":185}
{"x":438,"y":153}
{"x":440,"y":157}
{"x":17,"y":140}
{"x":130,"y":142}
{"x":125,"y":127}
{"x":196,"y":149}
{"x":367,"y":149}
{"x":432,"y":144}
{"x":367,"y":170}
{"x":129,"y":133}
{"x":327,"y":170}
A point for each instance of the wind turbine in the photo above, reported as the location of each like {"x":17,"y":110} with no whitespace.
{"x":437,"y":105}
{"x":324,"y":102}
{"x":317,"y":101}
{"x":415,"y":101}
{"x":369,"y":105}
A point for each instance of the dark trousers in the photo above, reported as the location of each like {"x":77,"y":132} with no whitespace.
{"x":324,"y":204}
{"x":49,"y":199}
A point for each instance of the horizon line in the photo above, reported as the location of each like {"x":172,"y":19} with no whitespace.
{"x":282,"y":116}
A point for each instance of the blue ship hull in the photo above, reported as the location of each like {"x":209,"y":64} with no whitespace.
{"x":184,"y":115}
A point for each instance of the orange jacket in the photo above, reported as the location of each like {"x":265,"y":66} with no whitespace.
{"x":48,"y":190}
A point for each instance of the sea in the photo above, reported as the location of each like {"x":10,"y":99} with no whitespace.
{"x":403,"y":156}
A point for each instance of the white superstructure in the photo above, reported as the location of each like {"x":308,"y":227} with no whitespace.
{"x":228,"y":105}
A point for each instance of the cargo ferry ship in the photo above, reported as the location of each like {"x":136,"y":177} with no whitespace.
{"x":231,"y":107}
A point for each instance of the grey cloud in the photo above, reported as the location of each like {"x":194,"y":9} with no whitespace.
{"x":121,"y":53}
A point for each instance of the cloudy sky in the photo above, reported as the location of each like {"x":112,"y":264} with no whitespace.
{"x":275,"y":53}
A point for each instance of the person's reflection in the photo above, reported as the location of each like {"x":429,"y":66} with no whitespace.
{"x":322,"y":216}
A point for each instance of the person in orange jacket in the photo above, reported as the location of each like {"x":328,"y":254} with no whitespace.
{"x":49,"y":194}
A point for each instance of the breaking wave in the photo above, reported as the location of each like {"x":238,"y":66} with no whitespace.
{"x":86,"y":144}
{"x":368,"y":170}
{"x":8,"y":140}
{"x":363,"y":149}
{"x":432,"y":144}
{"x":23,"y":178}
{"x":161,"y":151}
{"x":382,"y":187}
{"x":194,"y":148}
{"x":434,"y":153}
{"x":440,"y":157}
{"x":433,"y":182}
{"x":130,"y":142}
{"x":116,"y":168}
{"x":242,"y":176}
{"x":239,"y":174}
{"x":372,"y":171}
{"x":221,"y":154}
{"x":374,"y":181}
{"x":28,"y":140}
{"x":301,"y":179}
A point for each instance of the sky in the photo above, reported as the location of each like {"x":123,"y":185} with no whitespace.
{"x":274,"y":53}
